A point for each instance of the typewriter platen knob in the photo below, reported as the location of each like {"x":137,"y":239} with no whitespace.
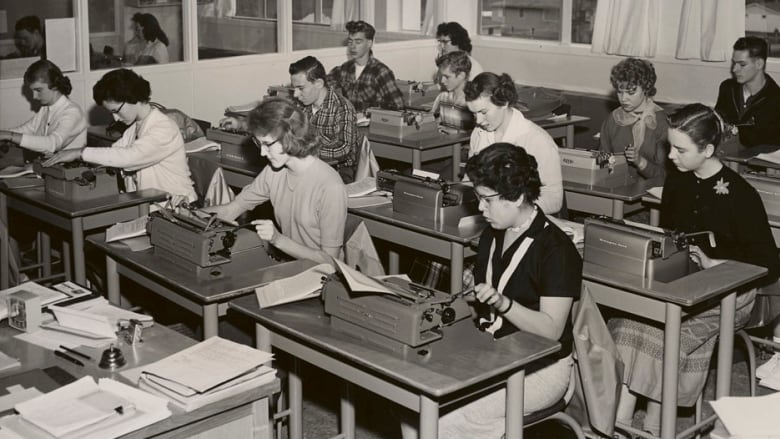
{"x":448,"y":316}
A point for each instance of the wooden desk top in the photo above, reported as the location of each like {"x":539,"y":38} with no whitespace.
{"x":447,"y":230}
{"x":422,"y":142}
{"x":629,"y":193}
{"x":249,"y":169}
{"x":462,"y":358}
{"x":183,"y":282}
{"x":159,"y":342}
{"x":746,"y":156}
{"x":686,"y":291}
{"x":38,"y":197}
{"x":553,"y":122}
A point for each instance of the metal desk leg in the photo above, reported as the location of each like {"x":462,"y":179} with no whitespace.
{"x":429,"y":418}
{"x":569,"y":136}
{"x":112,"y":282}
{"x":5,"y":253}
{"x":617,"y":209}
{"x":456,"y":267}
{"x":515,"y":388}
{"x":416,"y":159}
{"x":671,"y":363}
{"x":66,"y":265}
{"x":726,"y":345}
{"x":295,"y":391}
{"x":45,"y":251}
{"x":393,"y":262}
{"x":210,"y":320}
{"x":262,"y":338}
{"x":455,"y":162}
{"x":77,"y":238}
{"x":655,"y":217}
{"x":347,"y":412}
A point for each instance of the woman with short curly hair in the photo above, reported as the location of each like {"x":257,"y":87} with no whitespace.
{"x":308,"y":196}
{"x":638,"y":127}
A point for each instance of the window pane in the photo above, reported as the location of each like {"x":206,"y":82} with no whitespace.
{"x":531,"y":19}
{"x":583,"y":13}
{"x":20,"y":49}
{"x":134,"y":32}
{"x":236,"y":27}
{"x":762,"y":19}
{"x":311,"y":25}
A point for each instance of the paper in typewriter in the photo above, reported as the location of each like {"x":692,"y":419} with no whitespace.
{"x":360,"y":283}
{"x":208,"y":364}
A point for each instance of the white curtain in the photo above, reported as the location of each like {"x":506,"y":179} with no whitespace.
{"x":627,"y":28}
{"x":344,"y":11}
{"x":708,"y":29}
{"x":430,"y":21}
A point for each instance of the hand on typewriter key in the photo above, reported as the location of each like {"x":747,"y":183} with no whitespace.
{"x":66,"y":155}
{"x":701,"y":259}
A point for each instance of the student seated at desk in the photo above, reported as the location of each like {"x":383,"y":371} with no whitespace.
{"x":308,"y":196}
{"x":151,"y":150}
{"x":452,"y":37}
{"x":490,"y":97}
{"x":638,"y":127}
{"x":528,"y":274}
{"x":450,"y":105}
{"x":60,"y":123}
{"x":702,"y":195}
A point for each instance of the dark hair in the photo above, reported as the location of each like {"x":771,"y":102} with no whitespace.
{"x":30,"y":23}
{"x":312,"y":67}
{"x":701,"y":123}
{"x":456,"y":32}
{"x":137,"y":17}
{"x":501,"y":89}
{"x":756,"y":47}
{"x":633,"y":72}
{"x":354,"y":27}
{"x":121,"y":85}
{"x":457,"y":62}
{"x":48,"y":72}
{"x":508,"y":170}
{"x":151,"y":29}
{"x":282,"y":119}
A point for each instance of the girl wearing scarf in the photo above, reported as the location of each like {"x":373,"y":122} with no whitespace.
{"x":638,"y":127}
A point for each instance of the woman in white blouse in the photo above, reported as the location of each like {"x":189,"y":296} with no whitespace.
{"x":60,"y":123}
{"x":151,"y":150}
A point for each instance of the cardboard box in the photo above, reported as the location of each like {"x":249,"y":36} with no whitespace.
{"x":580,"y":166}
{"x":402,"y":124}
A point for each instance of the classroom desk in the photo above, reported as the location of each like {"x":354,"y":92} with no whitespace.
{"x":77,"y":218}
{"x":442,"y":240}
{"x":464,"y":362}
{"x":561,"y":127}
{"x":743,"y":159}
{"x":206,"y":298}
{"x":236,"y":174}
{"x":613,"y":202}
{"x":98,"y":136}
{"x":416,"y":149}
{"x":245,"y":415}
{"x":669,"y":303}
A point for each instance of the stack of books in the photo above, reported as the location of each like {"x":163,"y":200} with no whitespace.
{"x":210,"y":371}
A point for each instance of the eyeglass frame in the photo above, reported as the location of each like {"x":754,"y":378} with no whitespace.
{"x":118,"y":109}
{"x":260,"y":144}
{"x":443,"y":42}
{"x":487,"y":198}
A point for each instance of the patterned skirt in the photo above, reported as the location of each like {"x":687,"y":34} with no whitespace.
{"x":641,"y":347}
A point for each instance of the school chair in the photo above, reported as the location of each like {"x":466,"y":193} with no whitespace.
{"x":556,"y":412}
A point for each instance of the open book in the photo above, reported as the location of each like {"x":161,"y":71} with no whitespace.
{"x":127,"y":229}
{"x":201,"y":144}
{"x":290,"y":289}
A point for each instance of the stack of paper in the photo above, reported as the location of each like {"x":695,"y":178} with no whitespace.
{"x":750,"y":417}
{"x":201,"y":144}
{"x":85,"y":409}
{"x":208,"y":372}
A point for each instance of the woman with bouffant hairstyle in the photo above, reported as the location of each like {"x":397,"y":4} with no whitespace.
{"x":308,"y":196}
{"x":60,"y":123}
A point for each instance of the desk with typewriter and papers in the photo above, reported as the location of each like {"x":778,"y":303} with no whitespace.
{"x":463,"y":362}
{"x":646,"y":273}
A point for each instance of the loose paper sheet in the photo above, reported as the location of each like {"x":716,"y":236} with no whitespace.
{"x":299,"y":287}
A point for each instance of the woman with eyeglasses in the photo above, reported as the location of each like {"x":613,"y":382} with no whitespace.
{"x":528,"y":275}
{"x":308,"y":195}
{"x":452,"y":37}
{"x":151,"y":148}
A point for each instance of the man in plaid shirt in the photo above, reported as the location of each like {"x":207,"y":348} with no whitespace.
{"x":364,"y":80}
{"x":331,"y":114}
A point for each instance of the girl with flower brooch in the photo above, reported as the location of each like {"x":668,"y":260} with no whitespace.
{"x":638,"y":126}
{"x":702,"y":194}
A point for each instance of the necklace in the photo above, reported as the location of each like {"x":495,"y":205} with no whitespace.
{"x":527,"y":223}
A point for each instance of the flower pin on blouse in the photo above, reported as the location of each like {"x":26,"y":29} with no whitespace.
{"x":721,"y":187}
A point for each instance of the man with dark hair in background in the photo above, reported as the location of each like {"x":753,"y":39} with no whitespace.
{"x":363,"y":79}
{"x":28,"y":38}
{"x":749,"y":101}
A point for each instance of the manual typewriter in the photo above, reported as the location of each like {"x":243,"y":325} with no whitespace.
{"x":237,"y":146}
{"x":418,"y":95}
{"x":412,"y":317}
{"x":204,"y":246}
{"x":78,"y":181}
{"x":429,"y":199}
{"x":402,"y":124}
{"x":651,"y":252}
